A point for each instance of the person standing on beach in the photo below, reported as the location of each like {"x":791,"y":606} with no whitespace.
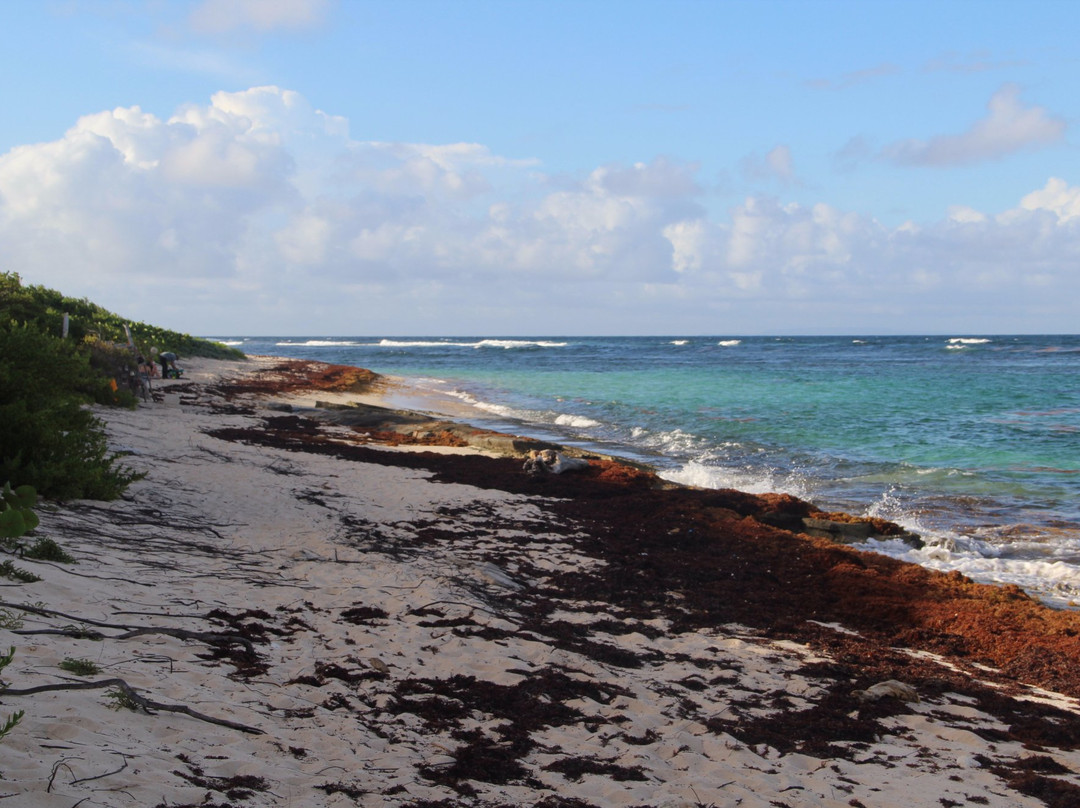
{"x":167,"y":360}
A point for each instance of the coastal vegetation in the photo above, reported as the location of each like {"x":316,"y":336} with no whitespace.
{"x":48,"y":437}
{"x":17,"y":518}
{"x":57,"y":356}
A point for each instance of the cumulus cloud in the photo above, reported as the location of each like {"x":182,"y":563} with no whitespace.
{"x":255,"y":208}
{"x":1008,"y":127}
{"x":221,"y":16}
{"x":1057,"y":198}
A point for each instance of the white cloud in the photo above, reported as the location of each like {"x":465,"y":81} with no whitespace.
{"x":687,"y":242}
{"x":255,"y":208}
{"x":220,"y":16}
{"x":1057,"y":197}
{"x":1009,"y":127}
{"x":965,"y":214}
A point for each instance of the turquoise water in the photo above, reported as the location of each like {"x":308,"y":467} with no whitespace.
{"x":974,"y":442}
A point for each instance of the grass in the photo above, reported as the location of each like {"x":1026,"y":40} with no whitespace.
{"x":9,"y":570}
{"x":80,"y":667}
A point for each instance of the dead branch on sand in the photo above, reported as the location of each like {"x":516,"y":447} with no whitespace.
{"x":147,"y":705}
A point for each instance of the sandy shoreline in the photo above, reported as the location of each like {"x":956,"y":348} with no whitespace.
{"x":420,"y":629}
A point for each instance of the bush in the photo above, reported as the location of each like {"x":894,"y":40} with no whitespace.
{"x":80,"y":667}
{"x":45,"y":308}
{"x":48,"y":439}
{"x":16,"y":511}
{"x":47,"y":436}
{"x":45,"y":549}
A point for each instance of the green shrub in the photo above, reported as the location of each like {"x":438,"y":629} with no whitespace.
{"x":122,"y":700}
{"x":45,"y":308}
{"x":10,"y":571}
{"x":80,"y":667}
{"x":48,"y":439}
{"x":16,"y":511}
{"x":47,"y":436}
{"x":44,"y":549}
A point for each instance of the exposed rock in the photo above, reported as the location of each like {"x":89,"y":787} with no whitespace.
{"x":890,"y":688}
{"x":853,"y":531}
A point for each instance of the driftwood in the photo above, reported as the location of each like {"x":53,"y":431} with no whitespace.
{"x":208,"y":637}
{"x":146,"y":704}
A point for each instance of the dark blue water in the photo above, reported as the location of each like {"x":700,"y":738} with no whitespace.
{"x":973,"y":442}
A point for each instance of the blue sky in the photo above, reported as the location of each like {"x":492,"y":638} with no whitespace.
{"x":353,"y":167}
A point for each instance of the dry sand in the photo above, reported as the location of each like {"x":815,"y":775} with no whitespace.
{"x":407,"y":648}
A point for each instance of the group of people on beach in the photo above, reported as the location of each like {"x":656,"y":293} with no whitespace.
{"x":167,"y":359}
{"x":147,"y":367}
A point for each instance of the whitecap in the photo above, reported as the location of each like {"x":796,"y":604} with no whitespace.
{"x":502,"y":410}
{"x":518,"y":343}
{"x":752,"y":481}
{"x":395,"y":343}
{"x":967,"y":340}
{"x":1055,"y":582}
{"x":319,"y":343}
{"x":727,"y":343}
{"x":576,"y":421}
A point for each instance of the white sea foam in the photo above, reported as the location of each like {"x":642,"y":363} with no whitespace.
{"x":529,"y":416}
{"x":518,"y":343}
{"x":468,"y":398}
{"x":752,"y":481}
{"x":968,"y":341}
{"x":1050,"y":579}
{"x":679,"y":341}
{"x":502,"y":410}
{"x":413,"y":343}
{"x":1053,"y":581}
{"x":727,"y":343}
{"x":319,"y":343}
{"x":576,"y":421}
{"x":483,"y":343}
{"x":674,"y":443}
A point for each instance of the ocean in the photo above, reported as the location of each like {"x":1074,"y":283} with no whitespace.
{"x":973,"y":442}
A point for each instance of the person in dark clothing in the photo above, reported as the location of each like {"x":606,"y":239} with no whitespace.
{"x":168,"y":365}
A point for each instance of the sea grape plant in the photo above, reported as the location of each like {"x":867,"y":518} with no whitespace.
{"x":16,"y":511}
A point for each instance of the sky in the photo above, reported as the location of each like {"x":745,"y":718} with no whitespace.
{"x":521,"y":167}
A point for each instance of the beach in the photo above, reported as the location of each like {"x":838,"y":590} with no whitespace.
{"x":380,"y":611}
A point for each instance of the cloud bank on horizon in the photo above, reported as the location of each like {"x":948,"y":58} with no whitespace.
{"x":254,"y":211}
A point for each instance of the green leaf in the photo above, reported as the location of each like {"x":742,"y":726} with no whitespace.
{"x":30,"y":519}
{"x":25,"y":496}
{"x":12,"y":524}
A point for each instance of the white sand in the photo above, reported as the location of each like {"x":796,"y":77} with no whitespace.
{"x":298,"y":539}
